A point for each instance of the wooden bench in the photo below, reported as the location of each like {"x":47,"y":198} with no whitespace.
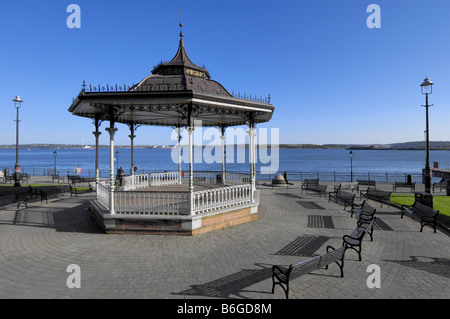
{"x":365,"y":182}
{"x":347,"y":186}
{"x":30,"y":191}
{"x":383,"y":197}
{"x":424,"y":214}
{"x":76,"y":190}
{"x":21,"y":200}
{"x":72,"y":179}
{"x":24,"y":177}
{"x":321,"y":189}
{"x":9,"y":178}
{"x":441,"y":185}
{"x":354,"y":240}
{"x":363,"y":209}
{"x":73,"y":190}
{"x":57,"y":178}
{"x":345,"y":197}
{"x":43,"y":195}
{"x":282,"y":275}
{"x":364,"y":213}
{"x":411,"y":186}
{"x":308,"y":182}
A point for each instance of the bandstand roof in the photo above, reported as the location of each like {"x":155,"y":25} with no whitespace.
{"x":164,"y":97}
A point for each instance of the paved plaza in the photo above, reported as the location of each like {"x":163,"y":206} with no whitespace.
{"x":39,"y":243}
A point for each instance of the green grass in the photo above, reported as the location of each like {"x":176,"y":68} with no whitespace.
{"x":82,"y":189}
{"x":440,"y":202}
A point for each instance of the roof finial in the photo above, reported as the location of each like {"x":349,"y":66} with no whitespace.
{"x":181,"y":24}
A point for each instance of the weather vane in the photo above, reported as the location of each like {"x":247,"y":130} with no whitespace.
{"x":181,"y":24}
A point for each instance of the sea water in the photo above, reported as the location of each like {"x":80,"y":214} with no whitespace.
{"x":328,"y":164}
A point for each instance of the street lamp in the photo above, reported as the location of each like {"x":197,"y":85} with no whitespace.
{"x":427,"y":88}
{"x":17,"y":105}
{"x":351,"y":165}
{"x":54,"y":169}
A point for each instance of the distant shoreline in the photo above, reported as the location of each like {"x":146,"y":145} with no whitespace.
{"x":408,"y":146}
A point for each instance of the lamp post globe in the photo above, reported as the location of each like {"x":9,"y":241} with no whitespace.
{"x":427,"y":86}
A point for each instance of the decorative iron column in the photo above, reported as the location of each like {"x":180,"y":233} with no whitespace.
{"x":189,"y":112}
{"x":252,"y":154}
{"x":222,"y":137}
{"x":132,"y":136}
{"x":111,"y":130}
{"x":190,"y":130}
{"x":97,"y":134}
{"x":179,"y":155}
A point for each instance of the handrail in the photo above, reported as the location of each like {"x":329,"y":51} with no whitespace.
{"x":175,"y":203}
{"x":218,"y":198}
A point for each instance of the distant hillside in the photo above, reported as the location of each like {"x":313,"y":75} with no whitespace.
{"x":419,"y":145}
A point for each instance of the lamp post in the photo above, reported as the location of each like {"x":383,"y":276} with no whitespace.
{"x":17,"y":105}
{"x":54,"y":169}
{"x":427,"y":88}
{"x":351,"y":165}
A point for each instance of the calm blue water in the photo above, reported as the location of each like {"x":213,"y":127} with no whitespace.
{"x":328,"y":164}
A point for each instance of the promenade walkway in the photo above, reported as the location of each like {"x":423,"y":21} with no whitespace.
{"x":39,"y":243}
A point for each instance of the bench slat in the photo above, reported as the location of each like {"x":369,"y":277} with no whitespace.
{"x":343,"y":196}
{"x":281,"y":275}
{"x":331,"y":257}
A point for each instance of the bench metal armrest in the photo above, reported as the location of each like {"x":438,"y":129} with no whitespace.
{"x":351,"y":237}
{"x":357,"y":206}
{"x":363,"y":192}
{"x":286,"y":272}
{"x":406,"y":206}
{"x":330,"y":247}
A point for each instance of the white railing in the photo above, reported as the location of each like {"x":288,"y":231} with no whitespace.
{"x":149,"y":180}
{"x":151,"y":203}
{"x":215,"y":177}
{"x":133,"y":182}
{"x":103,"y":194}
{"x":177,"y":203}
{"x":162,"y":179}
{"x":223,"y":197}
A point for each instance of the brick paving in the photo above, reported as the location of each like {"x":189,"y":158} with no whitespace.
{"x":39,"y":243}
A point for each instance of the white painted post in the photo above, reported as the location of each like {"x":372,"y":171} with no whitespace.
{"x":179,"y":155}
{"x":252,"y":134}
{"x":190,"y":130}
{"x":97,"y":173}
{"x":111,"y":131}
{"x":132,"y":136}
{"x":222,"y":137}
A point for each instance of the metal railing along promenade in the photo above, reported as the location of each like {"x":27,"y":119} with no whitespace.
{"x":236,"y":177}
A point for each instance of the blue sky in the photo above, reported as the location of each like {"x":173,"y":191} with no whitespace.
{"x":331,"y":78}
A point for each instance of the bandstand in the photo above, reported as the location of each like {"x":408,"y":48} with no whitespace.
{"x":177,"y":94}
